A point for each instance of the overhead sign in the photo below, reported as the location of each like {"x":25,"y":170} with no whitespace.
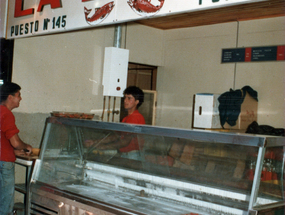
{"x":35,"y":17}
{"x":253,"y":54}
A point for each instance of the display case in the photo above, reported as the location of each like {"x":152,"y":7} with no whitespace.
{"x":88,"y":167}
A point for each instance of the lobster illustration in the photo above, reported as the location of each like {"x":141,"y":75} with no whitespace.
{"x":144,"y":7}
{"x":100,"y":13}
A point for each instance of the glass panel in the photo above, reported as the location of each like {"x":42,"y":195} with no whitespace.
{"x":175,"y":158}
{"x":212,"y":169}
{"x":62,"y":160}
{"x":272,"y":177}
{"x":147,"y":109}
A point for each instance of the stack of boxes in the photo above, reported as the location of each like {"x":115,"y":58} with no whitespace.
{"x":207,"y":116}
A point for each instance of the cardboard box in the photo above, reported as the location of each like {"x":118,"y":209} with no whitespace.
{"x":239,"y":170}
{"x":176,"y":149}
{"x":248,"y":113}
{"x":187,"y":154}
{"x":206,"y":111}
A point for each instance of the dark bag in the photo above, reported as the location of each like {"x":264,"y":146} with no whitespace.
{"x":254,"y":128}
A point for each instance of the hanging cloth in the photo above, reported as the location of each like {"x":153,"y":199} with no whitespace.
{"x":230,"y":104}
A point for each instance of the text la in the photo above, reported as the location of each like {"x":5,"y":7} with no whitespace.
{"x":19,"y":11}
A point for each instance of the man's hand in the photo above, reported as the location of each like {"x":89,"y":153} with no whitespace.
{"x":19,"y":152}
{"x":28,"y":150}
{"x":22,"y":152}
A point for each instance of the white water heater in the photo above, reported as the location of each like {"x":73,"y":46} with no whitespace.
{"x":115,"y":71}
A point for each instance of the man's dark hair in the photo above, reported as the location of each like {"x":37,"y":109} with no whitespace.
{"x":136,"y":92}
{"x":8,"y":88}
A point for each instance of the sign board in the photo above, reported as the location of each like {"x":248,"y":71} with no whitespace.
{"x":264,"y":53}
{"x":35,"y":17}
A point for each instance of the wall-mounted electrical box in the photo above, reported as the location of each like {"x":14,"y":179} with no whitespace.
{"x":115,"y":71}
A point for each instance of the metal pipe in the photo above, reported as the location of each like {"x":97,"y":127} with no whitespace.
{"x":104,"y":101}
{"x":114,"y":109}
{"x":235,"y":69}
{"x":117,"y":44}
{"x":109,"y":110}
{"x":118,"y":36}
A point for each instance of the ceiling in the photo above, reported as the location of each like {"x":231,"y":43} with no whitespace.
{"x":249,"y":11}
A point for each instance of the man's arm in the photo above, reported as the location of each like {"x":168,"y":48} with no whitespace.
{"x":17,"y":143}
{"x":120,"y":143}
{"x":107,"y":139}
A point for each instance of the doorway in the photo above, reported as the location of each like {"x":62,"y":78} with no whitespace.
{"x":6,"y":60}
{"x":144,"y":77}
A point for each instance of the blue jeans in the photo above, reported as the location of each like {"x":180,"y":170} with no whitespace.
{"x":7,"y":186}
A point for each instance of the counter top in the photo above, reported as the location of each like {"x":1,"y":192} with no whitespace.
{"x":27,"y":157}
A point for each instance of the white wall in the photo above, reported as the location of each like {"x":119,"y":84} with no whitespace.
{"x":268,"y":78}
{"x":192,"y":64}
{"x":61,"y":72}
{"x":145,"y":44}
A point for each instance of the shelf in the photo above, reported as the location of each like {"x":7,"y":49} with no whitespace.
{"x":24,"y":188}
{"x":21,"y":188}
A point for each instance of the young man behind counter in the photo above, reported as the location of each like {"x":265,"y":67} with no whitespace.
{"x":133,"y":99}
{"x":9,"y":144}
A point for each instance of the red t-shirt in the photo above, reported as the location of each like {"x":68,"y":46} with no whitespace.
{"x":8,"y":129}
{"x":134,"y":118}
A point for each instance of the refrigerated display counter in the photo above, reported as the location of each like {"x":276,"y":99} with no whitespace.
{"x":174,"y":171}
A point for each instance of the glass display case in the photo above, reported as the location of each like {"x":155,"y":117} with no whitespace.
{"x":93,"y":167}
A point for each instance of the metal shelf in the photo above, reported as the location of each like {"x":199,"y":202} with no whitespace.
{"x":21,"y":188}
{"x":24,"y":188}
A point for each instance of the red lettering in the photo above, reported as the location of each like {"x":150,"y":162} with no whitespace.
{"x":53,"y":4}
{"x":247,"y":57}
{"x":280,"y":52}
{"x":19,"y":5}
{"x":86,"y":0}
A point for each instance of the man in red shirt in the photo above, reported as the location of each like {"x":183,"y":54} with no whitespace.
{"x":10,"y":141}
{"x":133,"y":99}
{"x":125,"y":143}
